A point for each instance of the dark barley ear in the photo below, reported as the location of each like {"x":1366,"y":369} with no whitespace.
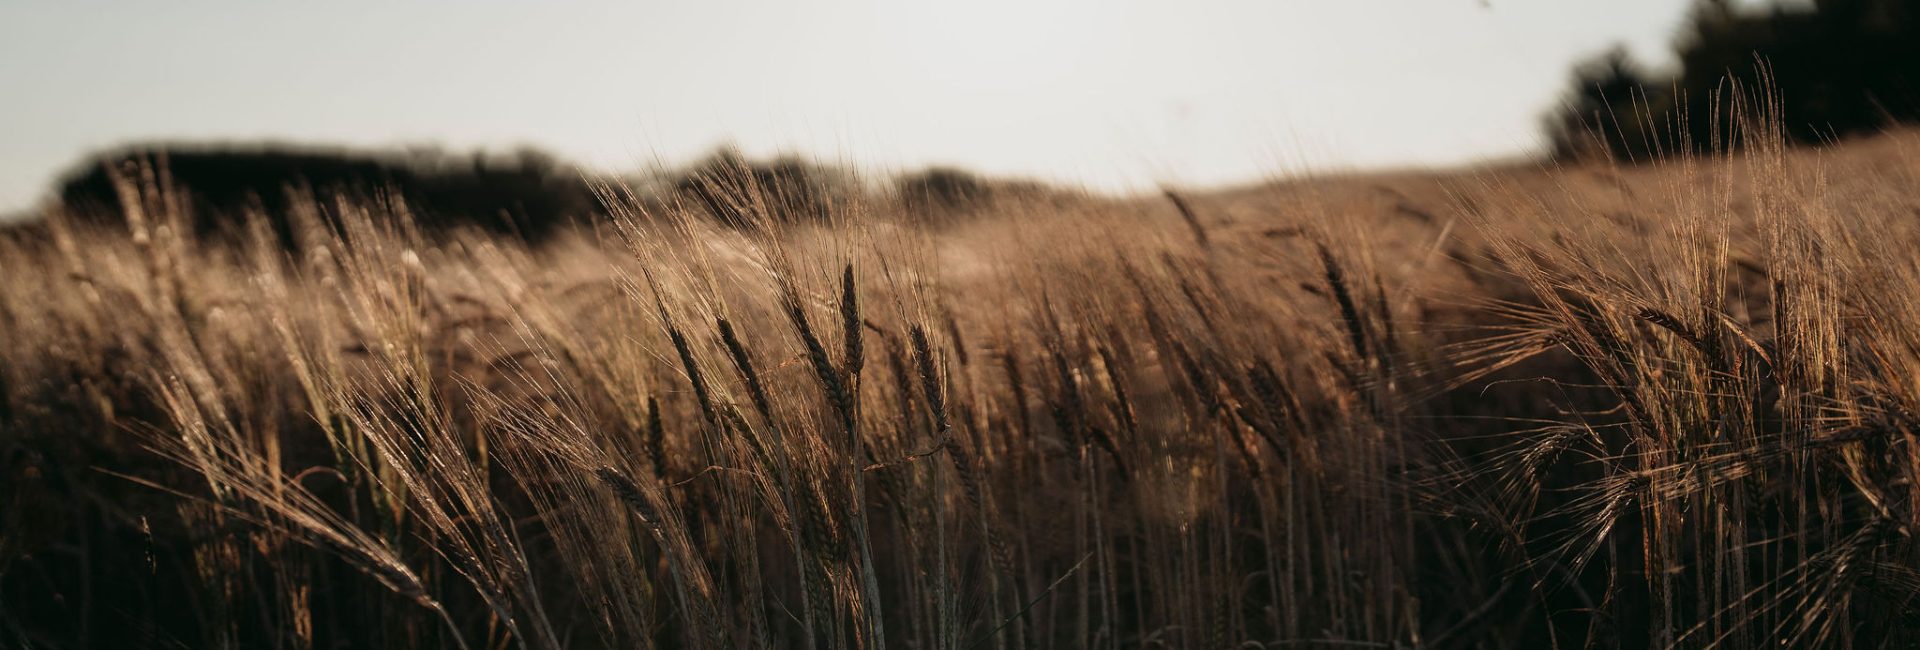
{"x":1187,"y":214}
{"x":930,"y":379}
{"x":1199,"y":304}
{"x":1203,"y":388}
{"x":963,"y":459}
{"x":743,"y":363}
{"x":1389,"y":347}
{"x":628,"y":493}
{"x":1070,"y":404}
{"x":656,"y":438}
{"x":832,"y":382}
{"x":1343,"y":296}
{"x":692,"y":366}
{"x":1278,"y":397}
{"x":1017,"y":391}
{"x":1099,"y":435}
{"x":853,"y":347}
{"x":1123,"y":402}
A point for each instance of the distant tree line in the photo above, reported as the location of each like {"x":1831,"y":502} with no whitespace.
{"x":738,"y":192}
{"x":525,"y":193}
{"x":1837,"y":68}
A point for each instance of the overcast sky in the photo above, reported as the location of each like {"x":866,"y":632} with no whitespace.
{"x":1109,"y":93}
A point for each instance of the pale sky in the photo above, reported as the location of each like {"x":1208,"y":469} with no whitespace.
{"x":1112,"y":94}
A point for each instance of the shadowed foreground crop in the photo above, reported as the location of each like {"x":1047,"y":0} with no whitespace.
{"x":1672,"y":405}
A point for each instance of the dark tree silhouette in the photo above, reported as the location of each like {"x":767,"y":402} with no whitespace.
{"x":1604,"y":109}
{"x":738,"y":192}
{"x":1840,"y":67}
{"x":525,"y":193}
{"x":941,"y":190}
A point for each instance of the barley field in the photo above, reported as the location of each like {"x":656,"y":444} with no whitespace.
{"x":1525,"y":406}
